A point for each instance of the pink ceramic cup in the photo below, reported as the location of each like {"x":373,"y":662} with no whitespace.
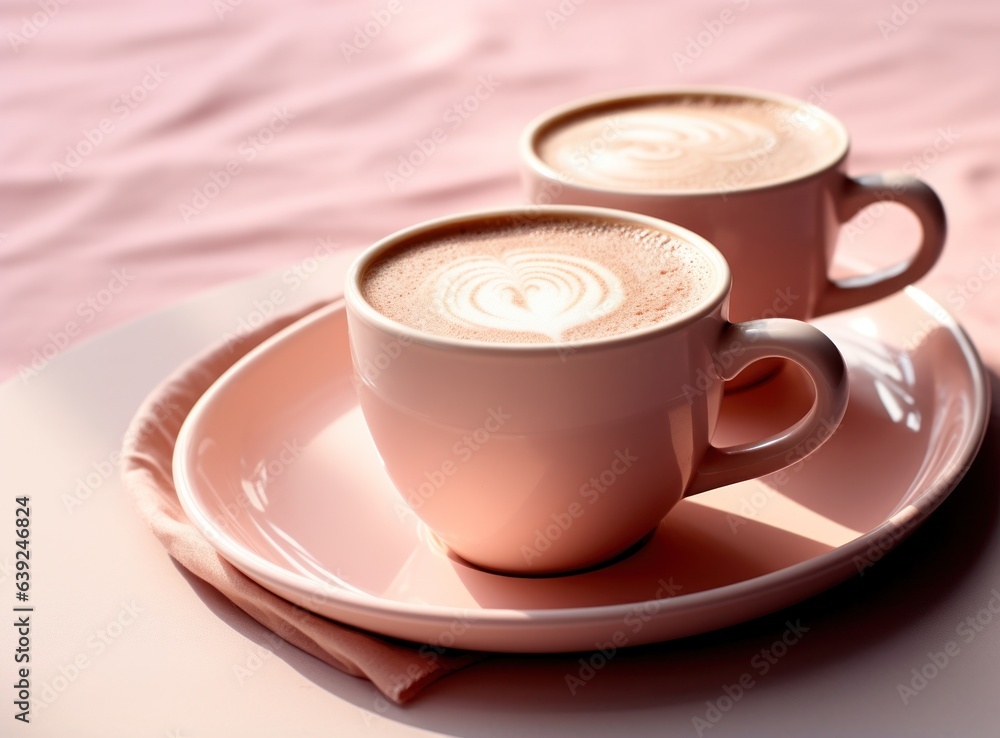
{"x":540,"y":458}
{"x":778,"y":237}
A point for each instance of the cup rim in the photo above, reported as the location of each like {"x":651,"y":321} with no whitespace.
{"x":623,"y":98}
{"x":361,"y":308}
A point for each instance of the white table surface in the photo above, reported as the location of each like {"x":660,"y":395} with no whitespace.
{"x":123,"y":643}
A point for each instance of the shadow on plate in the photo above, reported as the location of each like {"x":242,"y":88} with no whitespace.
{"x":946,"y":554}
{"x":954,"y":549}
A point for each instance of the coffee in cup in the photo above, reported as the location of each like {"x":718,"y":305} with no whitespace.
{"x":547,"y":280}
{"x":691,"y":143}
{"x":760,"y":175}
{"x":542,"y":384}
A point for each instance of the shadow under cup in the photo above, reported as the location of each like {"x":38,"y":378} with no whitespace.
{"x":553,"y":456}
{"x":761,"y":176}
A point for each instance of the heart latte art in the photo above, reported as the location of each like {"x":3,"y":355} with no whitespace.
{"x":526,"y":291}
{"x":548,"y":280}
{"x":689,"y":144}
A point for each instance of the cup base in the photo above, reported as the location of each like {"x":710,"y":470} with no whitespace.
{"x":456,"y":558}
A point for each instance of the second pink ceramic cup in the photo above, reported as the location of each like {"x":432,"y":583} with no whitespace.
{"x":760,"y":175}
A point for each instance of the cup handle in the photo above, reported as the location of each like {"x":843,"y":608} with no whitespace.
{"x":868,"y":190}
{"x":810,"y":348}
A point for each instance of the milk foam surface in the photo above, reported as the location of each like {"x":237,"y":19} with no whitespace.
{"x":691,"y":143}
{"x":538,"y":281}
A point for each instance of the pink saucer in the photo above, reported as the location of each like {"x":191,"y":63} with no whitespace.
{"x":276,"y":468}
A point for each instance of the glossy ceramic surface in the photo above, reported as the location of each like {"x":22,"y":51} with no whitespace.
{"x":276,"y":467}
{"x":554,"y":457}
{"x":779,"y":238}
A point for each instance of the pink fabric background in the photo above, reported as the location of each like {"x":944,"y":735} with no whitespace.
{"x":916,"y":83}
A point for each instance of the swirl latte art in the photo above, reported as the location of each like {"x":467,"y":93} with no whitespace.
{"x":526,"y":291}
{"x":688,"y":144}
{"x":693,"y":146}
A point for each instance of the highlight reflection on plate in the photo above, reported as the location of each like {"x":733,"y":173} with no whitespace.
{"x":276,"y":468}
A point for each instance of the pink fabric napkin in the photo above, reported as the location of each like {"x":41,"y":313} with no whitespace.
{"x":396,"y":668}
